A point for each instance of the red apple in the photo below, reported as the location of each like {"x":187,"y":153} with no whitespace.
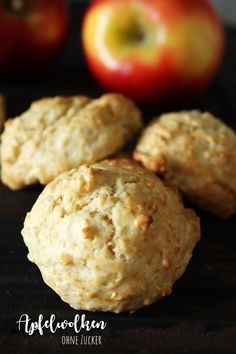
{"x":155,"y":51}
{"x":31,"y":33}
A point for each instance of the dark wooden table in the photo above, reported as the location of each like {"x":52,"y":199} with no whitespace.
{"x":200,"y":315}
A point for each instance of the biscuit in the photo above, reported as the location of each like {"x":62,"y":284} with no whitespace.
{"x":58,"y":134}
{"x":110,"y":236}
{"x":197,"y":153}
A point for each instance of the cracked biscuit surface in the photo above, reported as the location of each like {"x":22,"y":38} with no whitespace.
{"x":110,"y":236}
{"x":197,"y":153}
{"x":60,"y":133}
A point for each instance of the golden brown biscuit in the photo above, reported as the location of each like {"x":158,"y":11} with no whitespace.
{"x":26,"y":138}
{"x":197,"y":153}
{"x":57,"y":134}
{"x":110,"y":236}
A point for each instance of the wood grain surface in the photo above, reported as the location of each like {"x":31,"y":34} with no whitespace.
{"x":198,"y":317}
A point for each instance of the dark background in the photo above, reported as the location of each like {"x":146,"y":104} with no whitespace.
{"x":200,"y":315}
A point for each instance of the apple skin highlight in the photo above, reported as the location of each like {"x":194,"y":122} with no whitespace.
{"x":155,"y":51}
